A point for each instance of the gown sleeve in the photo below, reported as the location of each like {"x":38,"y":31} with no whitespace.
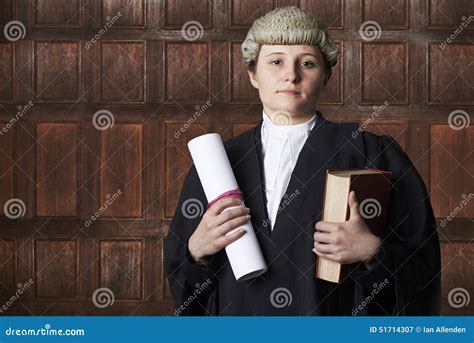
{"x":409,"y":259}
{"x":191,"y":284}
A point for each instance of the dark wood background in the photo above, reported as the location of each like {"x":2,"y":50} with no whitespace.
{"x":153,"y":81}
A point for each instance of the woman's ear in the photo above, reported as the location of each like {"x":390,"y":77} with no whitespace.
{"x":253,"y":78}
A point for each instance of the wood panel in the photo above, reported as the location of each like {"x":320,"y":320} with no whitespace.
{"x":389,"y":15}
{"x":7,"y":268}
{"x":387,"y":80}
{"x":57,"y":13}
{"x":187,"y":72}
{"x":451,"y":171}
{"x":180,"y":12}
{"x":56,"y":164}
{"x":122,"y":72}
{"x":457,"y":270}
{"x":131,"y":13}
{"x":57,"y":71}
{"x":7,"y":164}
{"x":121,"y":171}
{"x":56,"y":269}
{"x":450,"y":72}
{"x":6,"y":72}
{"x":121,"y":268}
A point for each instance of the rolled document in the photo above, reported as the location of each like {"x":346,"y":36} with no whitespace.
{"x":218,"y":180}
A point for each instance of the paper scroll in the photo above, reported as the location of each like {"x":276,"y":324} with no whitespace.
{"x":216,"y":175}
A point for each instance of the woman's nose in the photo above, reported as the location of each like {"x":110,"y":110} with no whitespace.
{"x":291,"y":74}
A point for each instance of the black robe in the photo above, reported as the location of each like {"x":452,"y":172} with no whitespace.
{"x":407,"y":275}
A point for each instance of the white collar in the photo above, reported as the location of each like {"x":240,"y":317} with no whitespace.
{"x":288,"y":129}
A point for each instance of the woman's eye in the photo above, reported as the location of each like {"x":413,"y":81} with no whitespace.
{"x":275,"y":62}
{"x":307,"y":63}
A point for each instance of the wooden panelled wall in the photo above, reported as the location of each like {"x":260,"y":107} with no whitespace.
{"x":162,"y":88}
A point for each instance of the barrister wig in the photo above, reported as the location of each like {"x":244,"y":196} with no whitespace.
{"x":289,"y":26}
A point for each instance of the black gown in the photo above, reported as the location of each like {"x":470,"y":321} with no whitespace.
{"x":408,"y":263}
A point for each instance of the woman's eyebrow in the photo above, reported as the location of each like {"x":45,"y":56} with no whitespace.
{"x":275,"y":53}
{"x":282,"y":53}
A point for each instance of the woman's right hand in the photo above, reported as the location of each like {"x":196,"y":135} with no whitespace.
{"x":210,"y":236}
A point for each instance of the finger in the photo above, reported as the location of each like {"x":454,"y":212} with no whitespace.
{"x":353,"y":205}
{"x":326,"y":226}
{"x":331,"y":257}
{"x":232,"y":224}
{"x":222,"y":204}
{"x":324,"y":247}
{"x":226,"y":240}
{"x":225,"y":216}
{"x":323,"y":237}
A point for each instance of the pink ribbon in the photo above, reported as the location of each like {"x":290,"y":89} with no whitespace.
{"x":233,"y":193}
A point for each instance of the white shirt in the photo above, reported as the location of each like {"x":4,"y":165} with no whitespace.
{"x":281,"y":145}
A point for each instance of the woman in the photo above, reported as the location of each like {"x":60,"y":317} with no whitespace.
{"x":280,"y":166}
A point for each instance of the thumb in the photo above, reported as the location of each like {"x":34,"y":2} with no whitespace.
{"x":353,"y":205}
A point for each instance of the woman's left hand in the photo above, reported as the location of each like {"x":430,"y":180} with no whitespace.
{"x":346,"y":242}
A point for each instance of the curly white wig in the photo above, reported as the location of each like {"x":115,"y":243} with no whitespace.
{"x":289,"y":26}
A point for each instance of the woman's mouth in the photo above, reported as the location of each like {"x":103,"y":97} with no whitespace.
{"x":289,"y":92}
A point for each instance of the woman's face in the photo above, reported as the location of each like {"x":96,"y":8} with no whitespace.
{"x":290,"y":79}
